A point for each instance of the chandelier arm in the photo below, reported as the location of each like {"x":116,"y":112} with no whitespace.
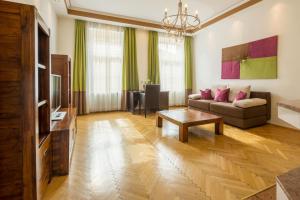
{"x":174,"y":17}
{"x":194,"y":18}
{"x":175,"y":21}
{"x":168,"y":25}
{"x":194,"y":26}
{"x":174,"y":24}
{"x":182,"y":24}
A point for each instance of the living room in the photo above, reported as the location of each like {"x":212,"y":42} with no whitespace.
{"x":149,"y":99}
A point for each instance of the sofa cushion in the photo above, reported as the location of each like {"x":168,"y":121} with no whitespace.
{"x":247,"y":103}
{"x":201,"y":104}
{"x":228,"y":109}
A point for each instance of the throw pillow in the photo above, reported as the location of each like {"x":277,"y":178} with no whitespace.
{"x":214,"y":89}
{"x":222,"y":95}
{"x":240,"y":96}
{"x":235,"y":89}
{"x":206,"y":94}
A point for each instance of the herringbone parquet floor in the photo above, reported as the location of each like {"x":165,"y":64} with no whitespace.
{"x":123,"y":156}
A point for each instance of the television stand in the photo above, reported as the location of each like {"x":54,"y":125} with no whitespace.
{"x":63,"y":140}
{"x":58,"y":116}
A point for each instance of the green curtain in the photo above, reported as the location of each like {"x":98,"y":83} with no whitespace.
{"x":79,"y":72}
{"x":188,"y":65}
{"x":153,"y":58}
{"x":130,"y":79}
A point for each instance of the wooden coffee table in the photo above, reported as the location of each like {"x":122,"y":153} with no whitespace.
{"x":185,"y":118}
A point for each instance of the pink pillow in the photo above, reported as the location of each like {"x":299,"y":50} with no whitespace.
{"x":240,"y":96}
{"x":222,"y":95}
{"x":206,"y":94}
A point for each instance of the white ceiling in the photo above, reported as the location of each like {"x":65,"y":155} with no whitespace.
{"x":150,"y":9}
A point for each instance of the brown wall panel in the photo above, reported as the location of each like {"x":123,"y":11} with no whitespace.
{"x":239,"y":52}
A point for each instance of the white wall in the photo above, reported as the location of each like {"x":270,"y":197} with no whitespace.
{"x":66,"y":37}
{"x":48,"y":14}
{"x":267,"y":18}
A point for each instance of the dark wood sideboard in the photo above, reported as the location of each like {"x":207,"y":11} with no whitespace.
{"x":63,"y":140}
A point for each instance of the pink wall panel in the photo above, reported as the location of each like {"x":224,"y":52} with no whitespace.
{"x":263,"y":48}
{"x":231,"y":70}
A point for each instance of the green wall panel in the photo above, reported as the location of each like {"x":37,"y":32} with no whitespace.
{"x":259,"y":68}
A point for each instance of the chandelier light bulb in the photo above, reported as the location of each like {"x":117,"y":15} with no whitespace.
{"x":196,"y":13}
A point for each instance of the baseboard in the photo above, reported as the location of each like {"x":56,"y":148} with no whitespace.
{"x":260,"y":191}
{"x":282,"y":126}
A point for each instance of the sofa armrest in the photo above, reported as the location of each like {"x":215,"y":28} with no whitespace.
{"x":267,"y":97}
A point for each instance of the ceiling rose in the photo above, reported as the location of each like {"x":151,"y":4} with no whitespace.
{"x":182,"y":22}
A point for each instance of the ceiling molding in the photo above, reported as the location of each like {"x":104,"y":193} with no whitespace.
{"x":227,"y":14}
{"x":113,"y":18}
{"x":147,"y":23}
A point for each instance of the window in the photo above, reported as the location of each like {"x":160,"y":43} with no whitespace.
{"x":104,"y":67}
{"x":171,"y":63}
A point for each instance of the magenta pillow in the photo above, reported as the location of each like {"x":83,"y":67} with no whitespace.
{"x":240,"y":96}
{"x":206,"y":94}
{"x":222,"y":95}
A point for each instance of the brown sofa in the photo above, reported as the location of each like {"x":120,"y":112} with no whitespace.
{"x":241,"y":117}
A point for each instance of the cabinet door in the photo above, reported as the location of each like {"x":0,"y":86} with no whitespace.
{"x":72,"y":137}
{"x":43,"y":166}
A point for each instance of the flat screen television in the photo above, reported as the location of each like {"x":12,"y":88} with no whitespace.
{"x":55,"y":92}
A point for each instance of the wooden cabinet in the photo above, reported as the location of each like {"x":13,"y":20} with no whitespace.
{"x":61,"y":65}
{"x":63,"y":140}
{"x":27,"y":149}
{"x":24,"y":102}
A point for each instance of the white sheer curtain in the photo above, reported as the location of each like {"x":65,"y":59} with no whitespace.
{"x":171,"y":63}
{"x":104,"y":67}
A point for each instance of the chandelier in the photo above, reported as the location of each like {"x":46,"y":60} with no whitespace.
{"x":182,"y":22}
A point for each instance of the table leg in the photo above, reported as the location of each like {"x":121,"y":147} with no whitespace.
{"x":140,"y":107}
{"x":159,"y":121}
{"x":183,"y":133}
{"x":219,"y":127}
{"x":140,"y":103}
{"x":131,"y":99}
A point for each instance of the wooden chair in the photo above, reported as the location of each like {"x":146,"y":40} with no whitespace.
{"x":149,"y":100}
